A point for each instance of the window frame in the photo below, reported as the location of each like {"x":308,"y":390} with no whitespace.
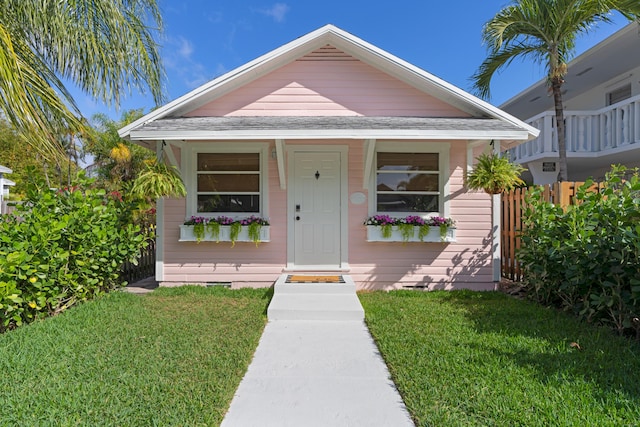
{"x":225,"y":148}
{"x":440,"y":148}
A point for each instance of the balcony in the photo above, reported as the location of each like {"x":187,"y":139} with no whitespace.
{"x":589,"y":134}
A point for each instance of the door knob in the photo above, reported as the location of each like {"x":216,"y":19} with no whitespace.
{"x":297,"y":218}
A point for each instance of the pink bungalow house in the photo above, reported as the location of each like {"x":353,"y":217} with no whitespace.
{"x":317,"y":136}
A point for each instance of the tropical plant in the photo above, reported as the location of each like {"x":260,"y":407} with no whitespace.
{"x":494,"y":174}
{"x":585,"y":258}
{"x":26,"y":164}
{"x":61,"y":247}
{"x":105,"y":47}
{"x":117,"y":162}
{"x":158,"y":180}
{"x":544,"y":31}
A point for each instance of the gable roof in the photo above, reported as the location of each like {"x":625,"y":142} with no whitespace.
{"x":351,"y":45}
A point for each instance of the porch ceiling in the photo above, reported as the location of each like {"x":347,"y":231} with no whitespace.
{"x":350,"y":127}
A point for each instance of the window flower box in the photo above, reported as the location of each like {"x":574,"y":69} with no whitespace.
{"x":375,"y":234}
{"x":224,"y":229}
{"x":383,"y":228}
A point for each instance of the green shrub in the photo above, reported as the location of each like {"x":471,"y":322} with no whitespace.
{"x":61,"y":247}
{"x":585,"y":258}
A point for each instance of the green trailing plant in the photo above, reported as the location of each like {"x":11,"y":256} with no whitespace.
{"x":407,"y":225}
{"x":211,"y":226}
{"x":423,"y":230}
{"x":254,"y":232}
{"x":407,"y":231}
{"x":234,"y":232}
{"x":494,"y":174}
{"x":198,"y":231}
{"x":443,"y":230}
{"x":61,"y":247}
{"x":585,"y":258}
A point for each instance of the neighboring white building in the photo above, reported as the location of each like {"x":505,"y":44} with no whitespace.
{"x":601,"y":98}
{"x":4,"y":187}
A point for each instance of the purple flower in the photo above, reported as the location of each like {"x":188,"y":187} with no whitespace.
{"x":434,"y":221}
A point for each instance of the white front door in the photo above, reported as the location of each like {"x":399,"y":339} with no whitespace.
{"x":316,"y":191}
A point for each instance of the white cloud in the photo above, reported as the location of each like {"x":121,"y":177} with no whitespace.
{"x":220,"y":70}
{"x":215,"y":17}
{"x":277,"y":11}
{"x":178,"y":60}
{"x":185,"y":48}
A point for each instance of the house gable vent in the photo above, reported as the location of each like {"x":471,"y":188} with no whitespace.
{"x":327,"y":53}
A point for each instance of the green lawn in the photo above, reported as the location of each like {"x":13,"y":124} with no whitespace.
{"x":171,"y":358}
{"x":486,"y":359}
{"x":176,"y":356}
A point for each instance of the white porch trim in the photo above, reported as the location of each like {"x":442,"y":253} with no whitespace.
{"x":280,"y":159}
{"x":496,"y":209}
{"x":369,"y":152}
{"x":159,"y":225}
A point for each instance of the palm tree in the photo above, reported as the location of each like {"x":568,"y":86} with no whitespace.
{"x":116,"y":160}
{"x":105,"y":47}
{"x":545,"y":31}
{"x":127,"y":167}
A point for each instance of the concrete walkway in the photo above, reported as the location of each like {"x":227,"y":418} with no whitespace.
{"x":316,"y":371}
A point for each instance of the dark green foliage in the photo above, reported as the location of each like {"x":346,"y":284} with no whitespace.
{"x":61,"y":247}
{"x":587,"y":259}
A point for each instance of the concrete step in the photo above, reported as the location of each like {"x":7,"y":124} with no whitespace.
{"x":315,"y":288}
{"x":315,"y":301}
{"x":309,"y":306}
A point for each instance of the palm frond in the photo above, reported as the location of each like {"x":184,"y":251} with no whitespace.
{"x":158,"y":180}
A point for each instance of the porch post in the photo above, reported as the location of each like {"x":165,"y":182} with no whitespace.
{"x":496,"y":205}
{"x":160,"y":223}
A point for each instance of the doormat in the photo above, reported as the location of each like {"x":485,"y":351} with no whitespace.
{"x":314,"y":279}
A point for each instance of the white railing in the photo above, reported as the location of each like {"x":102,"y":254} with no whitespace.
{"x":596,"y":131}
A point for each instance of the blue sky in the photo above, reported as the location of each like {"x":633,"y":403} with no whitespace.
{"x":206,"y":38}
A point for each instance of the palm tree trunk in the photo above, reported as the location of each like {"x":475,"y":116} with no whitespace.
{"x":556,"y":87}
{"x":45,"y":169}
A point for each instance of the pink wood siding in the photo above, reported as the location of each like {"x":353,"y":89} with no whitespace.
{"x":327,"y":82}
{"x":464,"y":264}
{"x":243,"y":264}
{"x":374,"y":265}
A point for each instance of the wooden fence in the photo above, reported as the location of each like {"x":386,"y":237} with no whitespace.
{"x":146,"y":262}
{"x":559,"y":193}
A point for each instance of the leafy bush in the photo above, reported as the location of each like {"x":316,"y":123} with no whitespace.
{"x":585,"y":258}
{"x":61,"y":247}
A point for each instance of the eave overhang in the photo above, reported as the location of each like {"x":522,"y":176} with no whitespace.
{"x":401,"y":128}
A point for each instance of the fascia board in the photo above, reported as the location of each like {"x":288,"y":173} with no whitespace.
{"x":330,"y":134}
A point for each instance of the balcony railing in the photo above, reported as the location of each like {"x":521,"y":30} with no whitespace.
{"x":587,"y":132}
